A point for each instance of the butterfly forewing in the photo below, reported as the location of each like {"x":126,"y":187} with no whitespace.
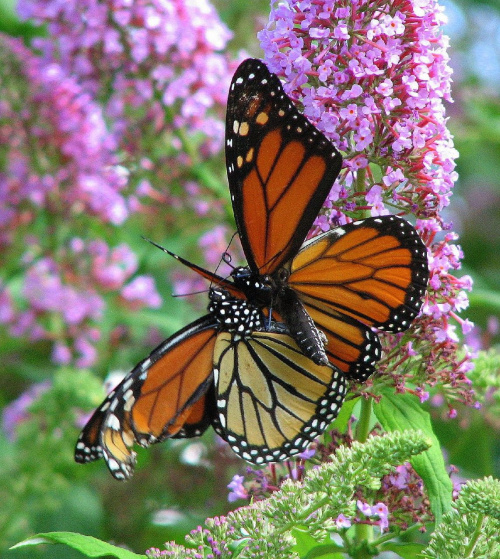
{"x":272,"y":400}
{"x":280,"y":167}
{"x":162,"y":397}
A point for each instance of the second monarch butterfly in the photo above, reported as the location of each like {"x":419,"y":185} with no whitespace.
{"x":370,"y":273}
{"x":251,"y":381}
{"x":270,"y":385}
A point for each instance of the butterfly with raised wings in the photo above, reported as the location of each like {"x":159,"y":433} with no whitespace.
{"x":269,"y":386}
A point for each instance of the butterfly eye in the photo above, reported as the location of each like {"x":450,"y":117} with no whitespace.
{"x":283,"y":275}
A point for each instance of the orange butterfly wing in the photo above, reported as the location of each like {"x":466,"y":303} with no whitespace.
{"x":280,"y":167}
{"x":162,"y":397}
{"x":367,"y":273}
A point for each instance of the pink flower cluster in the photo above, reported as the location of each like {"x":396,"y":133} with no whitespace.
{"x":105,"y":118}
{"x":379,"y":510}
{"x":142,"y":54}
{"x":405,"y":498}
{"x":70,"y":290}
{"x":59,"y":154}
{"x":379,"y":73}
{"x":373,"y":76}
{"x":154,"y":70}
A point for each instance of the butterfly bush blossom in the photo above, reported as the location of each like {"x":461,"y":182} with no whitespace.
{"x":103,"y":121}
{"x":373,"y":76}
{"x":156,"y":71}
{"x":141,"y":57}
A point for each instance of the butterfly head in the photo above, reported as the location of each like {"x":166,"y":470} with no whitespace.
{"x":257,"y":288}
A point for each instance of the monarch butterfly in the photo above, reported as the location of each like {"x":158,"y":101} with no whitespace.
{"x":270,"y":384}
{"x":251,"y":381}
{"x":369,"y":273}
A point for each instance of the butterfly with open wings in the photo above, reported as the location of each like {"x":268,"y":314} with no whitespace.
{"x":268,"y":366}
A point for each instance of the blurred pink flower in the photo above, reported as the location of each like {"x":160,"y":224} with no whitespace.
{"x":72,"y":288}
{"x":17,"y":411}
{"x":342,"y":521}
{"x":58,"y":145}
{"x":147,"y":53}
{"x":106,"y":116}
{"x":238,"y":491}
{"x":141,"y":291}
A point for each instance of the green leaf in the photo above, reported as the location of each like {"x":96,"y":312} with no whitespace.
{"x":342,"y":420}
{"x":327,"y":551}
{"x":307,"y":547}
{"x":89,"y":546}
{"x":404,"y":550}
{"x":303,"y":541}
{"x":402,"y":412}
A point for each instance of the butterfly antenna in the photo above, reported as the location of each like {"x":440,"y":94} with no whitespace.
{"x":166,"y":250}
{"x":213,"y":278}
{"x":176,"y":295}
{"x":226,"y":257}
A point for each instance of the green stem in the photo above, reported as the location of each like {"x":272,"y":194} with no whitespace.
{"x":360,"y":186}
{"x":363,"y":427}
{"x":469,"y":550}
{"x":486,"y":298}
{"x":363,"y":532}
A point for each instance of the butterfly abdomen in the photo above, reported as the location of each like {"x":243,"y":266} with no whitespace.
{"x":301,"y":326}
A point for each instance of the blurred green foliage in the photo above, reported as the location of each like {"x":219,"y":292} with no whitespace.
{"x":475,"y":123}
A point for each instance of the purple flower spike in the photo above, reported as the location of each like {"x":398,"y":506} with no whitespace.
{"x":99,"y":121}
{"x":373,"y":76}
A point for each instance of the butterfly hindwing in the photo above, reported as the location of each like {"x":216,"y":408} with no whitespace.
{"x":272,"y":400}
{"x":374,"y":271}
{"x":280,"y":167}
{"x":200,"y":417}
{"x":350,"y":345}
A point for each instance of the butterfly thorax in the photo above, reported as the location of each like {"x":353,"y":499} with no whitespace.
{"x":273,"y":292}
{"x":234,"y":315}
